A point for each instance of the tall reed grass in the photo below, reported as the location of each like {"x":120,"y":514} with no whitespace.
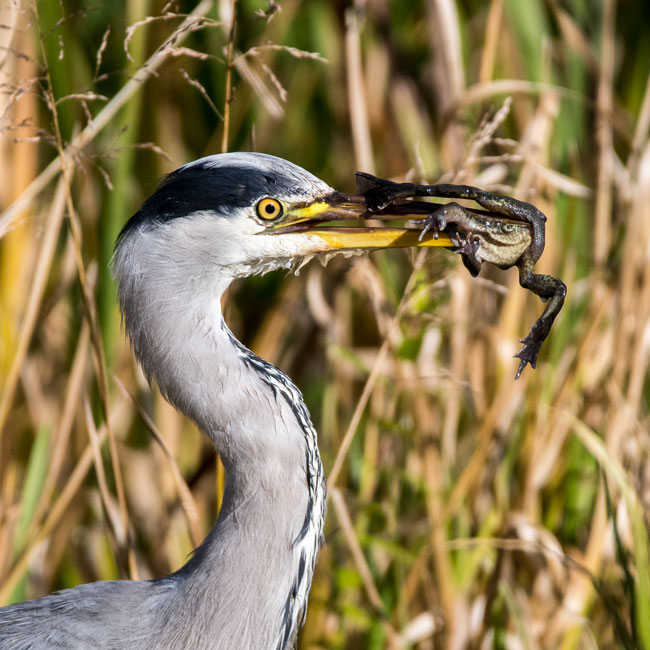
{"x":466,"y":510}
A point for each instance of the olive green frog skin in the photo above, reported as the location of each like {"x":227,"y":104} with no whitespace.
{"x":510,"y":234}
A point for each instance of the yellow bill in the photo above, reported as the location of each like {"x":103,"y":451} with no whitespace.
{"x":365,"y":229}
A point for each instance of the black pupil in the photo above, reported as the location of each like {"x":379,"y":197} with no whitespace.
{"x":269,"y":208}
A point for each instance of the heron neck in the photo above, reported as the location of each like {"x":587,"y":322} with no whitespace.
{"x":250,"y":410}
{"x":270,"y":524}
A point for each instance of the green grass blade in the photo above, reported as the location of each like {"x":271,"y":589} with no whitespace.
{"x":33,"y":485}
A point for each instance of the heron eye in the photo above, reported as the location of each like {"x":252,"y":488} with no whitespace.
{"x":269,"y":209}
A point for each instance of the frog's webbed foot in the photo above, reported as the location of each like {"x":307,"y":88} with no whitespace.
{"x":379,"y":192}
{"x":552,"y":290}
{"x":528,"y":354}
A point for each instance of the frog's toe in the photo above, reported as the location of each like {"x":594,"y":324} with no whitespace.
{"x":435,"y":223}
{"x":522,"y":365}
{"x":470,"y":246}
{"x":528,"y":354}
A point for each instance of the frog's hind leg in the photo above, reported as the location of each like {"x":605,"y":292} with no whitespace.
{"x":505,"y":205}
{"x":552,"y":291}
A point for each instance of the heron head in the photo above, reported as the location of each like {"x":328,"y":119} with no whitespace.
{"x":239,"y":214}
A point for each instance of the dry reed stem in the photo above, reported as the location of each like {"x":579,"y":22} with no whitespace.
{"x":62,"y":432}
{"x":115,"y":525}
{"x":273,"y":104}
{"x":481,"y":92}
{"x":458,"y":309}
{"x":10,"y":17}
{"x":446,"y":39}
{"x":356,"y":85}
{"x":8,"y":516}
{"x":346,"y":441}
{"x":604,"y":135}
{"x":230,"y":49}
{"x":349,"y":533}
{"x":435,"y":479}
{"x":491,"y":46}
{"x":44,"y":261}
{"x":447,"y":70}
{"x":506,"y":395}
{"x":184,"y":493}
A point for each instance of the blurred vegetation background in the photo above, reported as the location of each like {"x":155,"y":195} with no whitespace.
{"x":466,"y":510}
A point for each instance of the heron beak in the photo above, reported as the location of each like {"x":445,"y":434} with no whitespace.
{"x":345,"y":222}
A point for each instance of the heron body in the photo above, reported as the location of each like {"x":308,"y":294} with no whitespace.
{"x":246,"y":586}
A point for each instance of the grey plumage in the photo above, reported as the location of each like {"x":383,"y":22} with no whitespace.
{"x":246,"y":586}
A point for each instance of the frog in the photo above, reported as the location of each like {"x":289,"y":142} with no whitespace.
{"x":508,"y":233}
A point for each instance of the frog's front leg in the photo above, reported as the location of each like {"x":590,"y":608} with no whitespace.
{"x":551,"y":290}
{"x":468,"y":244}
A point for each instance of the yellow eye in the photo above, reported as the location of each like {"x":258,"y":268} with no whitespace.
{"x":269,"y":209}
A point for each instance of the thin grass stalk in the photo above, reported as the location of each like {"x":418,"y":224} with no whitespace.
{"x":230,"y":53}
{"x":56,"y":512}
{"x":482,"y":92}
{"x":62,"y":431}
{"x":435,"y":475}
{"x":471,"y":474}
{"x":347,"y":527}
{"x":104,"y":117}
{"x":114,"y":524}
{"x":604,"y":135}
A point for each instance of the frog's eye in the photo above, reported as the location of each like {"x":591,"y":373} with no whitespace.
{"x":269,"y":209}
{"x":507,"y":227}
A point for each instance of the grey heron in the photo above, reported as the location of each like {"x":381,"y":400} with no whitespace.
{"x":246,"y":586}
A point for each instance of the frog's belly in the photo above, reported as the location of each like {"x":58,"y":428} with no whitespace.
{"x":502,"y":254}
